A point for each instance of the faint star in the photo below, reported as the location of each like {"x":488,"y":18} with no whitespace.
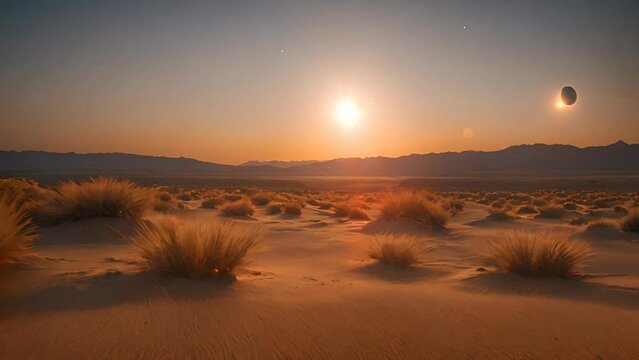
{"x":464,"y":27}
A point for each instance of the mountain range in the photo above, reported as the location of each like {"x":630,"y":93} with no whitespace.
{"x":619,"y":157}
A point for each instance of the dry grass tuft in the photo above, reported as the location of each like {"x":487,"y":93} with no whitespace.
{"x":552,"y":211}
{"x":292,"y":208}
{"x":415,"y":206}
{"x":261,"y":198}
{"x":17,"y":231}
{"x":397,"y":250}
{"x":350,"y":210}
{"x":212,"y":203}
{"x":94,"y":198}
{"x":193,"y":249}
{"x":532,"y":254}
{"x":358,"y":214}
{"x":526,"y":209}
{"x":631,"y":221}
{"x":242,"y":207}
{"x":274,"y":208}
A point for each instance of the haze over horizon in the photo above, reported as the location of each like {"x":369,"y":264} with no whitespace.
{"x":229,"y":82}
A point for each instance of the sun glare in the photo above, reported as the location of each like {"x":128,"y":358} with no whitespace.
{"x":347,"y":112}
{"x":559,"y":104}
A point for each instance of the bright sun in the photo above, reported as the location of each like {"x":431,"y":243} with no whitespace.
{"x":347,"y":112}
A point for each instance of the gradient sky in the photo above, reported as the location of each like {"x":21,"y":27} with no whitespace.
{"x":231,"y":81}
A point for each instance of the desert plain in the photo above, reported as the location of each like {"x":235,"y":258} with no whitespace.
{"x":315,"y":285}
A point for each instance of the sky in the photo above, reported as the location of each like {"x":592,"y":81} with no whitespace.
{"x":232,"y":81}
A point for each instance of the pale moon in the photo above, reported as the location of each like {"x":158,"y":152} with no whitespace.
{"x":468,"y":133}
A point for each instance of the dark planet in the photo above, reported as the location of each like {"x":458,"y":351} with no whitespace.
{"x":568,"y":95}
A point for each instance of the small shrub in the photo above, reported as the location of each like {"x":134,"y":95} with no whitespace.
{"x":570,"y":206}
{"x":454,"y":207}
{"x":397,"y":250}
{"x":358,"y":214}
{"x":94,"y":198}
{"x":17,"y":231}
{"x":602,"y":203}
{"x":324,"y":205}
{"x":526,"y":209}
{"x":531,"y":254}
{"x":177,"y":247}
{"x":261,"y":198}
{"x":238,"y":208}
{"x":414,"y":206}
{"x":212,"y":203}
{"x":185,"y":196}
{"x":620,"y":210}
{"x":292,"y":208}
{"x":631,"y":221}
{"x":233,"y":197}
{"x":552,"y":211}
{"x":274,"y":209}
{"x":165,"y":196}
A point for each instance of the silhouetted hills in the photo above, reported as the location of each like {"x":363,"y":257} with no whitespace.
{"x":619,"y":157}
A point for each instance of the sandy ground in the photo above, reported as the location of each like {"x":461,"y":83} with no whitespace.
{"x":311,"y":292}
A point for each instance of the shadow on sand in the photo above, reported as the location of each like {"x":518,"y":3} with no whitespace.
{"x":396,"y":273}
{"x":79,"y":291}
{"x":402,"y":227}
{"x":560,"y":288}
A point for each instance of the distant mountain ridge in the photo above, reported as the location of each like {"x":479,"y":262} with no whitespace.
{"x":619,"y":157}
{"x":279,"y":163}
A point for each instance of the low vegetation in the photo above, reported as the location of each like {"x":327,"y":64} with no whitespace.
{"x":242,"y":207}
{"x":631,"y":221}
{"x":212,"y":203}
{"x":17,"y":231}
{"x":176,"y":247}
{"x":420,"y":207}
{"x":95,"y":197}
{"x":397,"y":250}
{"x":350,"y":210}
{"x":538,"y":254}
{"x":292,"y":208}
{"x":551,"y":211}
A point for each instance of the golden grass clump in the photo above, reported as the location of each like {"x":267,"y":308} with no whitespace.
{"x":538,"y":254}
{"x":94,"y":198}
{"x":262,"y":198}
{"x":165,"y":196}
{"x":292,"y":208}
{"x":419,"y":207}
{"x":212,"y":203}
{"x":23,"y":191}
{"x":631,"y":221}
{"x":526,"y":209}
{"x":274,"y":208}
{"x":17,"y":231}
{"x":351,"y":210}
{"x":551,"y":211}
{"x":397,"y":250}
{"x":242,"y":207}
{"x":194,"y":249}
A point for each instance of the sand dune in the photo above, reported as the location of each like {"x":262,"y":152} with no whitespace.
{"x":311,"y":292}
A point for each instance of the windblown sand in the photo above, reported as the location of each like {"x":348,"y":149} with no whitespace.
{"x":311,"y":292}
